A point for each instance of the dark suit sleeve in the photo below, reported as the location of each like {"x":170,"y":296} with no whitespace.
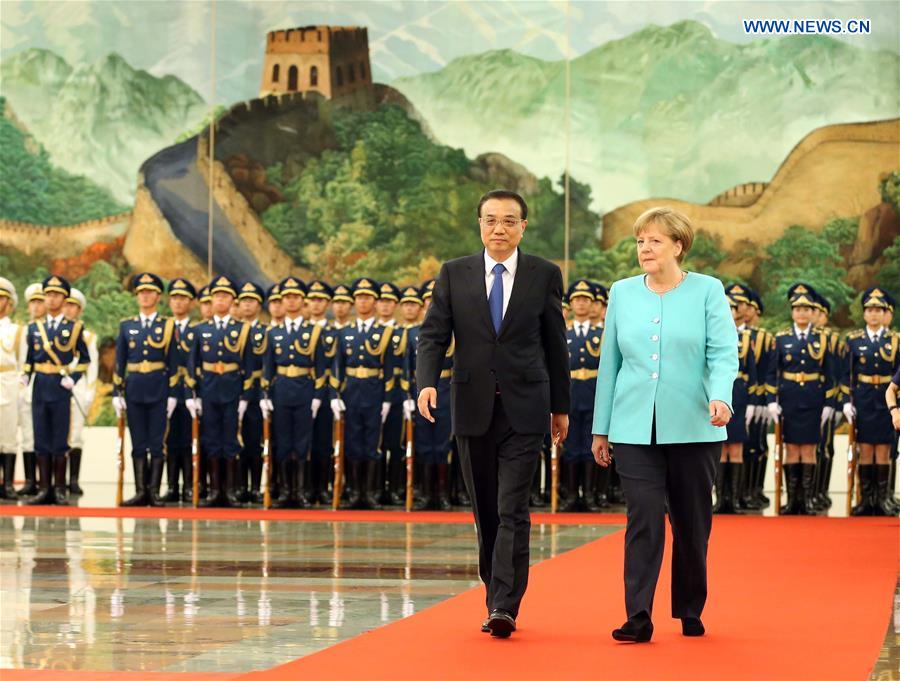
{"x":553,"y":337}
{"x":435,"y":334}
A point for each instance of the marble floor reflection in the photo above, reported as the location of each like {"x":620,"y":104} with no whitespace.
{"x":176,"y":595}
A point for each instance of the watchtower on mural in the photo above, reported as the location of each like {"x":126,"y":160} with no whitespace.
{"x":330,"y":60}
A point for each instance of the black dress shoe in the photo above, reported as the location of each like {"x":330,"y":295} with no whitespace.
{"x":485,"y":629}
{"x":501,"y":624}
{"x":692,"y":626}
{"x":638,"y":629}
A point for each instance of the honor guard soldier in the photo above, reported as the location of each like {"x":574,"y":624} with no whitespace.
{"x":205,"y":300}
{"x":584,"y":358}
{"x":83,"y":393}
{"x":870,"y":359}
{"x":250,"y":304}
{"x":34,"y":298}
{"x":53,"y":343}
{"x":825,"y":449}
{"x":274,"y":306}
{"x":295,"y":384}
{"x":13,"y":350}
{"x":363,"y":367}
{"x":756,"y":451}
{"x":731,"y":463}
{"x":598,"y":307}
{"x":318,"y":298}
{"x":797,"y":385}
{"x":178,"y":440}
{"x":391,"y":476}
{"x":145,"y":385}
{"x":220,"y":371}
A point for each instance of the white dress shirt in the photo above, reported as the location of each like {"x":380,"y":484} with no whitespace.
{"x":363,"y":325}
{"x":147,"y":320}
{"x":293,"y":324}
{"x":803,"y":332}
{"x":221,"y":321}
{"x":875,"y":335}
{"x":509,"y":276}
{"x":581,"y":328}
{"x":54,"y":322}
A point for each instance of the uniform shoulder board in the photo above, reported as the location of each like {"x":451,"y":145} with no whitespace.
{"x":858,"y":333}
{"x":192,"y":324}
{"x":784,"y":332}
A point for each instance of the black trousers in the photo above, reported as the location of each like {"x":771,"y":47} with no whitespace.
{"x":498,"y":468}
{"x":654,"y":477}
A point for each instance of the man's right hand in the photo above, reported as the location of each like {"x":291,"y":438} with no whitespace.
{"x":427,"y":402}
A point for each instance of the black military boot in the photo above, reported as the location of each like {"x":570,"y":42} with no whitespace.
{"x":892,"y":487}
{"x":229,"y":496}
{"x":369,"y":498}
{"x":792,"y":484}
{"x":75,"y":471}
{"x":807,"y":488}
{"x":30,"y":462}
{"x":255,"y":494}
{"x":880,"y":503}
{"x":601,"y":484}
{"x":762,"y":500}
{"x":720,"y":488}
{"x":187,"y":478}
{"x":173,"y":465}
{"x":589,"y":472}
{"x":427,"y":500}
{"x":826,"y":482}
{"x":284,"y":498}
{"x":156,"y":473}
{"x":44,"y":491}
{"x":323,"y":469}
{"x":442,"y":498}
{"x":536,"y":499}
{"x":735,"y":485}
{"x":60,"y":489}
{"x":866,"y":482}
{"x":570,"y":476}
{"x":241,"y":491}
{"x":9,"y":471}
{"x":139,"y":466}
{"x":302,"y":500}
{"x":215,"y":495}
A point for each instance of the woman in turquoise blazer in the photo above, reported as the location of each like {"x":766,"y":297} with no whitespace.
{"x":667,"y":367}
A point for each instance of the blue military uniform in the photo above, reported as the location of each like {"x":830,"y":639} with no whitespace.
{"x":799,"y":378}
{"x":391,"y":468}
{"x":178,"y":438}
{"x":294,"y":374}
{"x":584,"y":343}
{"x":220,"y":370}
{"x":825,"y":448}
{"x":53,"y":344}
{"x":146,"y":376}
{"x":363,"y":366}
{"x":321,"y":468}
{"x":250,"y":472}
{"x":870,"y":360}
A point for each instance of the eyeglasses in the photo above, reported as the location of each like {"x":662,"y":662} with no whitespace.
{"x":492,"y":222}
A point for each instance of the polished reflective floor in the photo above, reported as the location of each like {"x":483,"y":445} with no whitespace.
{"x":177,"y":595}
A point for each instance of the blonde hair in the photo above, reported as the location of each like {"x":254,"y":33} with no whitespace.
{"x":673,"y":224}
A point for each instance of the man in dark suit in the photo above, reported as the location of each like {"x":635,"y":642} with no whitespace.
{"x":510,"y":387}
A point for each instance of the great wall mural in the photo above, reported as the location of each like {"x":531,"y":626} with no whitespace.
{"x":354,"y":138}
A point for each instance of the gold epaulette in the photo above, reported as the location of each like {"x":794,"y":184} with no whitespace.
{"x":858,"y":333}
{"x":785,"y":332}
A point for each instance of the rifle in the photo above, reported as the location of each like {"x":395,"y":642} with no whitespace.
{"x":120,"y":457}
{"x":338,"y":486}
{"x":409,"y":464}
{"x":852,"y":461}
{"x":195,"y":458}
{"x":266,"y":470}
{"x":779,"y":459}
{"x":554,"y":476}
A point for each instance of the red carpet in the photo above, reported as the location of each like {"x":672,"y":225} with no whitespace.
{"x":790,"y":598}
{"x":313,"y":515}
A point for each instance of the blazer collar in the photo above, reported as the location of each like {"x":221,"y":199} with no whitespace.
{"x":521,"y":284}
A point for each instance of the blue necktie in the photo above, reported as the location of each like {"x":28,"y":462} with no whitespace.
{"x":495,"y":299}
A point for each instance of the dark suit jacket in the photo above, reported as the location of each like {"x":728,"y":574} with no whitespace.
{"x":529,"y":359}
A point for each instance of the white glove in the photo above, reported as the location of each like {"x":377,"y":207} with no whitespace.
{"x":242,"y":409}
{"x":760,"y":413}
{"x":838,"y":417}
{"x":171,"y":403}
{"x":409,"y":408}
{"x":194,"y":406}
{"x":67,"y":382}
{"x":749,"y":415}
{"x":849,"y":412}
{"x":24,"y":379}
{"x":385,"y":410}
{"x":118,"y":404}
{"x":266,"y":408}
{"x":774,"y":410}
{"x":337,"y":406}
{"x":314,"y":406}
{"x":827,"y":413}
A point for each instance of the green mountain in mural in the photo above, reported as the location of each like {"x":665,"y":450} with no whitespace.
{"x":100,"y":120}
{"x":666,"y":111}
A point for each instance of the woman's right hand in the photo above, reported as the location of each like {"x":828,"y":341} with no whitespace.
{"x":600,"y":450}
